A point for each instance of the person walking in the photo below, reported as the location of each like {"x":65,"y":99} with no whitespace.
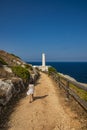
{"x":31,"y":89}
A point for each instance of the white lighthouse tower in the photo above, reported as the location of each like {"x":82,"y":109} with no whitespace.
{"x":43,"y":67}
{"x":43,"y":60}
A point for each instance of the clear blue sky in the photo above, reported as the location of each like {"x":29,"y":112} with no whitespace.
{"x":56,"y":27}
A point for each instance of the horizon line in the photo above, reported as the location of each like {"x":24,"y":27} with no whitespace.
{"x":56,"y":61}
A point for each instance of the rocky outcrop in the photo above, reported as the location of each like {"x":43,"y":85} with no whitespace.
{"x":6,"y":88}
{"x":11,"y":85}
{"x":10,"y":88}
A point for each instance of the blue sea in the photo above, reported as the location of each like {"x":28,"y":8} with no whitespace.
{"x":77,"y":70}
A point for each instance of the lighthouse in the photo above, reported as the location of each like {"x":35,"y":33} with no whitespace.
{"x":43,"y":67}
{"x":43,"y":59}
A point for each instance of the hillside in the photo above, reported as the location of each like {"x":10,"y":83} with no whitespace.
{"x":10,"y":59}
{"x":14,"y":77}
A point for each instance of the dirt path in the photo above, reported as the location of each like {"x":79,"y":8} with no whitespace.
{"x":45,"y":113}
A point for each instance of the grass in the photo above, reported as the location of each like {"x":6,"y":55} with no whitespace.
{"x":81,"y":93}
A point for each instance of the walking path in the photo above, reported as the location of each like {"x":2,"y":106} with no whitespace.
{"x":45,"y":113}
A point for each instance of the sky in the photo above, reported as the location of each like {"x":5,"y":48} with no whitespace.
{"x":57,"y":28}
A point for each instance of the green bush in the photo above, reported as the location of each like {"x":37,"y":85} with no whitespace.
{"x":29,"y":67}
{"x":2,"y":61}
{"x":52,"y":69}
{"x":21,"y":72}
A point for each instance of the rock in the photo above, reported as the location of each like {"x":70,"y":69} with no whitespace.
{"x":23,"y":66}
{"x":6,"y":68}
{"x":18,"y":84}
{"x":10,"y":88}
{"x":18,"y":63}
{"x":5,"y":91}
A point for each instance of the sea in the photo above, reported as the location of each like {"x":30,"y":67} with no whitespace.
{"x":76,"y":70}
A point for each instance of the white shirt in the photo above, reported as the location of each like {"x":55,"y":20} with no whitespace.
{"x":31,"y":89}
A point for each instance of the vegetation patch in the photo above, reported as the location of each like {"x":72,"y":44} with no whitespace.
{"x":28,"y":67}
{"x":81,"y":93}
{"x":2,"y":61}
{"x":21,"y":72}
{"x":52,"y":69}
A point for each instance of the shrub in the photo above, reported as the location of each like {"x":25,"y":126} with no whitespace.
{"x":21,"y":72}
{"x":52,"y":69}
{"x":29,"y":67}
{"x":2,"y":61}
